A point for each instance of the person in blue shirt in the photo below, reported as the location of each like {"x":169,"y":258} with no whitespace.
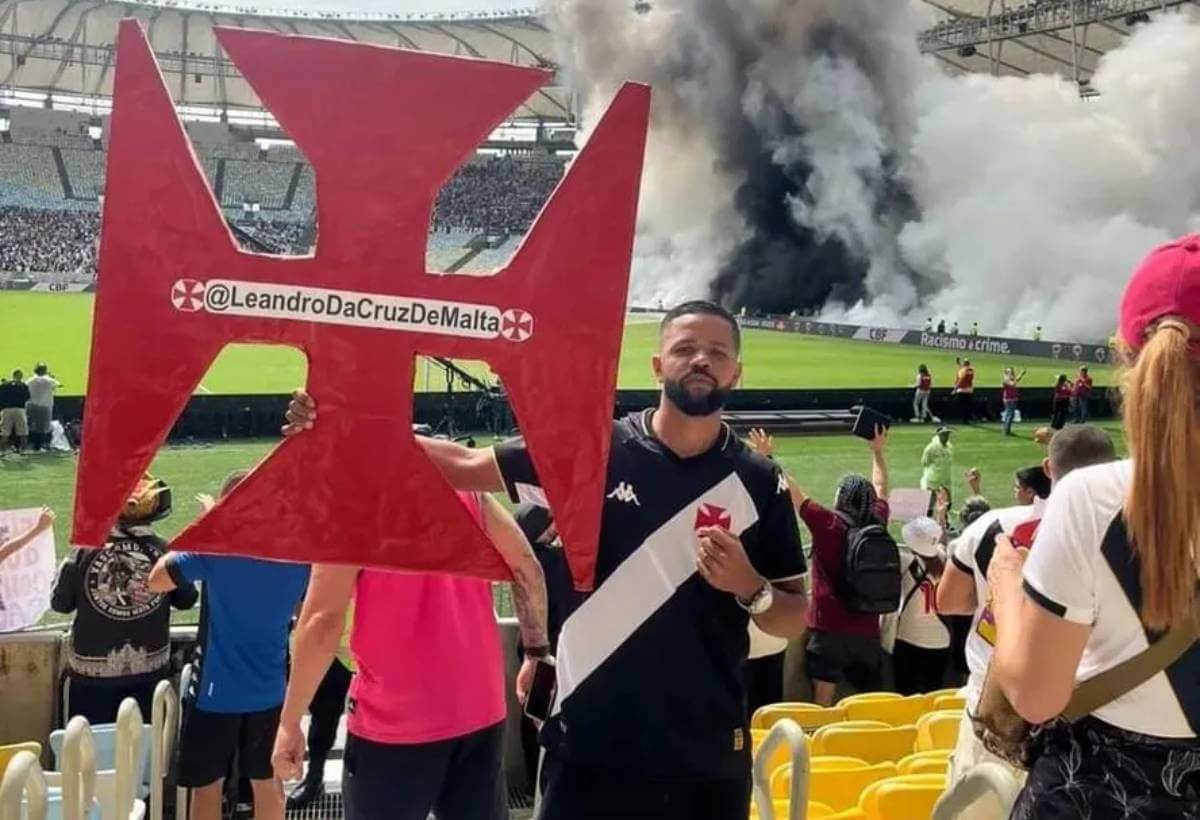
{"x":241,"y":670}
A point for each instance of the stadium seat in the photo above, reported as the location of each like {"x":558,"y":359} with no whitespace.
{"x":946,"y":703}
{"x":933,"y":696}
{"x":816,"y":811}
{"x":893,"y":711}
{"x":938,"y":730}
{"x":863,"y":697}
{"x":808,"y":716}
{"x":911,"y":796}
{"x":848,"y":814}
{"x":781,"y":777}
{"x":916,"y":762}
{"x":928,"y":765}
{"x":840,"y":789}
{"x":872,"y":744}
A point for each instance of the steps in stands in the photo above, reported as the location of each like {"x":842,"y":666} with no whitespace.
{"x":63,"y":177}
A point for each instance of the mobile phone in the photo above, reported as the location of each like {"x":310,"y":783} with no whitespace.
{"x":867,"y":420}
{"x":540,"y":699}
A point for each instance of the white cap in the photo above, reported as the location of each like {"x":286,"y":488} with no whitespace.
{"x":921,"y":535}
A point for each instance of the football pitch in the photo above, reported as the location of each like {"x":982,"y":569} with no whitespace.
{"x":817,"y":462}
{"x":56,"y":328}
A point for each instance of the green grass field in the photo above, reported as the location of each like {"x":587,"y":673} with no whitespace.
{"x":56,"y":328}
{"x":818,"y":462}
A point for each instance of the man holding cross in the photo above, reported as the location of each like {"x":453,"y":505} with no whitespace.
{"x":697,"y":536}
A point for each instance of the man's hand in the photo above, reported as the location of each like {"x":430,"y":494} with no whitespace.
{"x":880,"y":440}
{"x":974,"y":480}
{"x":45,"y":519}
{"x":1007,"y":561}
{"x":722,"y":561}
{"x":525,"y":679}
{"x":206,"y":501}
{"x":761,"y":442}
{"x":287,"y":759}
{"x":301,"y":413}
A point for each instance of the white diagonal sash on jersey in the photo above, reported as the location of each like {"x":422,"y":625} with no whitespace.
{"x":641,"y":584}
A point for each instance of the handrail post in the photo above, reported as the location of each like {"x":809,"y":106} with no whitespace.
{"x":789,"y":732}
{"x":23,"y":778}
{"x":164,"y":720}
{"x":78,"y":765}
{"x":130,"y":733}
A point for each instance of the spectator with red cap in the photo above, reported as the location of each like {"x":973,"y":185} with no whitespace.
{"x":1113,"y":572}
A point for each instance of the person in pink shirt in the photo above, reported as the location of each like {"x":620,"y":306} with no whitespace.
{"x":426,"y":708}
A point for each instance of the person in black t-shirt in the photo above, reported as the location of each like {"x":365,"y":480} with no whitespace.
{"x":120,"y":639}
{"x":14,"y":426}
{"x":697,"y":535}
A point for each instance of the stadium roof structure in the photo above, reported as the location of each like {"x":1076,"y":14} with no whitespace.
{"x":65,"y":47}
{"x":1066,"y":37}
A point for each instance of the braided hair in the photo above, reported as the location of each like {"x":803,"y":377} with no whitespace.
{"x":855,"y":499}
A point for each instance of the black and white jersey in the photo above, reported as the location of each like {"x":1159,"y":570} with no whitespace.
{"x":650,"y":665}
{"x":1082,"y":568}
{"x":972,"y":552}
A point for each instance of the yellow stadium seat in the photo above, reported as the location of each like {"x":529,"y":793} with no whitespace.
{"x":7,"y":753}
{"x":874,"y":745}
{"x":781,"y":810}
{"x":933,"y":696}
{"x":906,"y":764}
{"x":836,"y":762}
{"x":807,"y":715}
{"x":863,"y":697}
{"x":938,"y":730}
{"x":816,"y":811}
{"x":912,"y":796}
{"x":946,"y":703}
{"x":929,"y":765}
{"x":840,"y":788}
{"x":781,"y":777}
{"x":894,"y":711}
{"x":848,"y":814}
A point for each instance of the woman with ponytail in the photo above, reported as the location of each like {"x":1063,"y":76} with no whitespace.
{"x":1113,"y":572}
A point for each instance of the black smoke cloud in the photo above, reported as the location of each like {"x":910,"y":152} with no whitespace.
{"x":782,"y":264}
{"x":804,"y":154}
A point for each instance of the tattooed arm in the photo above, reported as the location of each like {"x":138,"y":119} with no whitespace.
{"x":529,"y":583}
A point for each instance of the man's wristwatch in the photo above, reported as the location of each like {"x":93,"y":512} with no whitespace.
{"x":537,"y":651}
{"x":759,"y":602}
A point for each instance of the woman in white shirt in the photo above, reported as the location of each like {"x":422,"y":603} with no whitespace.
{"x":922,"y":646}
{"x":1113,"y":568}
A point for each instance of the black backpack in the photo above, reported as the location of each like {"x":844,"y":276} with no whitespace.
{"x":871,"y":571}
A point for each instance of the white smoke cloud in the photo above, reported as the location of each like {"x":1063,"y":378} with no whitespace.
{"x":1029,"y":205}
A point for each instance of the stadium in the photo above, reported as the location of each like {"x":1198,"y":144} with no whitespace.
{"x":890,"y":209}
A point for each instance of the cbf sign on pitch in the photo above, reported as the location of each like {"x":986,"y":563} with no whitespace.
{"x":384,"y":129}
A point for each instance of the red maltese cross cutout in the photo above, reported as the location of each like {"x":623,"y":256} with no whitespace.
{"x":713,"y":515}
{"x":384,"y":129}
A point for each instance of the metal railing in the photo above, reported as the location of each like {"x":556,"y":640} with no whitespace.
{"x":164,"y":723}
{"x":1043,"y":17}
{"x":23,"y":792}
{"x":78,"y":766}
{"x":789,"y":732}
